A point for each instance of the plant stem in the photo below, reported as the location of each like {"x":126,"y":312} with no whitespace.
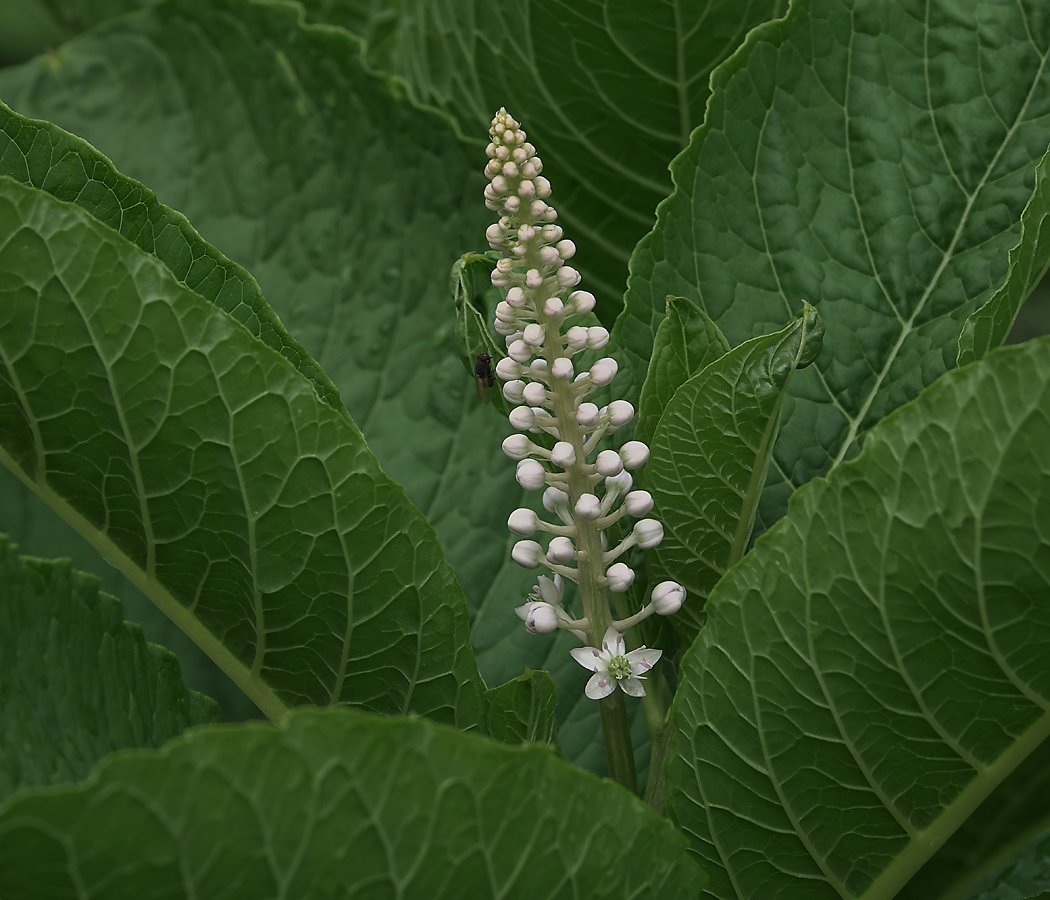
{"x":619,"y":752}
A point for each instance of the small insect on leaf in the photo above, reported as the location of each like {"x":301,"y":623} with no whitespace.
{"x":483,"y":377}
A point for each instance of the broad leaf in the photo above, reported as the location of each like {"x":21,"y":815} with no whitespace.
{"x":1026,"y":877}
{"x":200,"y":463}
{"x":989,"y":326}
{"x":710,"y":455}
{"x":349,"y":208}
{"x":76,"y":681}
{"x":873,"y":159}
{"x":880,"y":660}
{"x":523,"y":710}
{"x":686,"y":342}
{"x":608,"y":90}
{"x":74,"y":16}
{"x":340,"y":803}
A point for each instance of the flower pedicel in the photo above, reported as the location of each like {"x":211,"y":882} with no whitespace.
{"x":540,"y":376}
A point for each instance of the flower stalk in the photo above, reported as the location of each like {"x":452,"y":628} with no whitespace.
{"x":585,"y":498}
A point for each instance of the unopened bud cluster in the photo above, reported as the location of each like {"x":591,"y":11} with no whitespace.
{"x":540,"y":376}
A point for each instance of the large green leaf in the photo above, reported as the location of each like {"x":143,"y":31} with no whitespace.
{"x":608,"y":90}
{"x":873,"y":159}
{"x":1026,"y":877}
{"x":523,"y":710}
{"x":340,"y":803}
{"x":710,"y":455}
{"x":76,"y":681}
{"x":880,"y":660}
{"x":349,"y":208}
{"x":204,"y":466}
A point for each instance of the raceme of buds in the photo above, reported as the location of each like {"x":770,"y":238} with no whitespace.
{"x":550,"y":392}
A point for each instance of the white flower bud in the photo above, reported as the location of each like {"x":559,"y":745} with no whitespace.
{"x":505,"y":328}
{"x":563,"y":455}
{"x":582,"y":301}
{"x":526,"y":233}
{"x":576,"y":337}
{"x":538,"y":366}
{"x":507,"y":369}
{"x":520,"y":352}
{"x":567,"y":277}
{"x":528,"y":554}
{"x":566,"y":249}
{"x":490,"y":151}
{"x":621,"y":577}
{"x":549,"y":256}
{"x":510,"y":169}
{"x":537,"y":208}
{"x":527,"y":189}
{"x":520,"y":157}
{"x":551,"y":233}
{"x":499,"y":184}
{"x":550,"y":215}
{"x":634,"y":454}
{"x":528,"y":168}
{"x":506,"y":266}
{"x":494,"y":233}
{"x":513,"y":391}
{"x":588,"y":507}
{"x":517,"y":446}
{"x":587,"y":415}
{"x":533,"y":278}
{"x":553,"y":498}
{"x":609,"y":463}
{"x":562,"y":369}
{"x":561,"y":551}
{"x":543,"y":186}
{"x":518,"y":250}
{"x":522,"y":522}
{"x":502,"y":153}
{"x":601,"y":374}
{"x":499,"y":279}
{"x":530,"y":475}
{"x":535,"y":394}
{"x":620,"y":483}
{"x":516,"y":298}
{"x":667,"y":598}
{"x":539,"y":617}
{"x":637,"y":503}
{"x":522,"y":418}
{"x":620,"y":413}
{"x":506,"y":312}
{"x":648,"y":533}
{"x":512,"y":205}
{"x":534,"y":335}
{"x":597,"y":337}
{"x":554,"y":308}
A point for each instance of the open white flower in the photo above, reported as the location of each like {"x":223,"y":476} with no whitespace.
{"x":613,"y":666}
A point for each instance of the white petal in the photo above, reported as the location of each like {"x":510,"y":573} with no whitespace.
{"x":643,"y":659}
{"x":613,"y":643}
{"x":601,"y":684}
{"x":588,"y":657}
{"x":632,"y":687}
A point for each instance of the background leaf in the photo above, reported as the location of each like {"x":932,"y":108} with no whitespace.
{"x":878,"y":663}
{"x":349,"y":208}
{"x":710,"y":455}
{"x":76,"y":681}
{"x":608,"y":90}
{"x":686,"y":342}
{"x":201,"y":464}
{"x":343,"y":802}
{"x":873,"y":159}
{"x":523,"y":710}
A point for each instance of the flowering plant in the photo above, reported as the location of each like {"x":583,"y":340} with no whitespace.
{"x":779,"y":510}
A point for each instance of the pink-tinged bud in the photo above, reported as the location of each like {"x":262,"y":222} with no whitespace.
{"x":508,"y":369}
{"x":576,"y":337}
{"x":609,"y":463}
{"x":528,"y":554}
{"x":510,"y":169}
{"x":530,"y":474}
{"x":502,"y":153}
{"x":561,"y":551}
{"x":637,"y":503}
{"x":553,"y":498}
{"x":528,"y":170}
{"x":533,"y":278}
{"x":634,"y":454}
{"x":520,"y":156}
{"x":539,"y":617}
{"x":543,"y":186}
{"x":516,"y":298}
{"x":597,"y":337}
{"x":538,"y":368}
{"x":520,"y":352}
{"x":620,"y":483}
{"x":499,"y":279}
{"x":526,"y":189}
{"x":549,"y":256}
{"x":588,"y":415}
{"x":490,"y":151}
{"x":522,"y":418}
{"x":537,"y":209}
{"x":563,"y":455}
{"x":601,"y":374}
{"x":554,"y":308}
{"x":648,"y":533}
{"x":582,"y":301}
{"x":588,"y":507}
{"x":566,"y":249}
{"x":494,"y":232}
{"x":668,"y":597}
{"x":551,"y":233}
{"x":504,"y":328}
{"x":499,"y":185}
{"x":514,"y":391}
{"x":534,"y":335}
{"x":562,"y":369}
{"x":535,"y":394}
{"x":526,"y":233}
{"x":621,"y":577}
{"x":522,"y":522}
{"x":512,"y":204}
{"x":620,"y":413}
{"x":517,"y":446}
{"x":567,"y":277}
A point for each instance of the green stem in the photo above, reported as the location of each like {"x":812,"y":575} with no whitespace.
{"x":654,"y":789}
{"x":619,"y":752}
